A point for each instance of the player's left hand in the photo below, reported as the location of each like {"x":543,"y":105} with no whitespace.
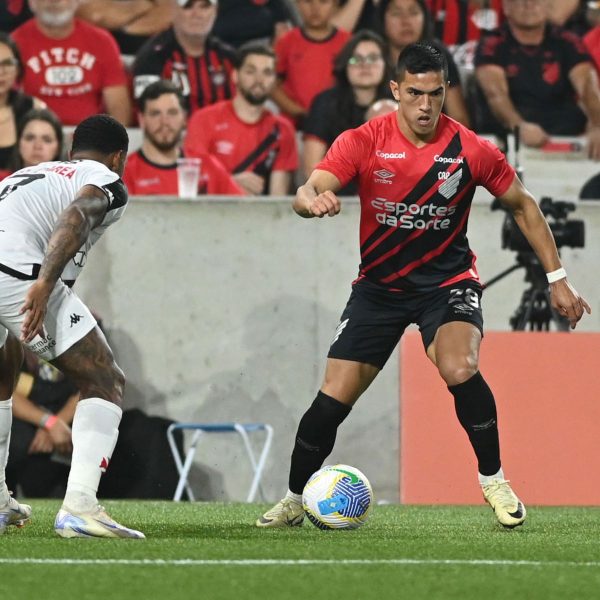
{"x":567,"y":302}
{"x":34,"y":307}
{"x":593,"y":140}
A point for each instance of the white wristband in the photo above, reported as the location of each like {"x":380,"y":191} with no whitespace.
{"x":556,"y":275}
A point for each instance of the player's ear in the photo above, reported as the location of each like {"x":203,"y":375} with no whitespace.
{"x":395,"y":89}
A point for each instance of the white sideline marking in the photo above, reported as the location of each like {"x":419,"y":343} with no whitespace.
{"x":191,"y":562}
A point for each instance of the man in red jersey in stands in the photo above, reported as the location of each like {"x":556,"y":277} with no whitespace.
{"x":74,"y":67}
{"x":189,"y":55}
{"x":256,"y":146}
{"x":417,"y":171}
{"x":152,"y":170}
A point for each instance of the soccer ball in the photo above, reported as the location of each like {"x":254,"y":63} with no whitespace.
{"x":337,"y":497}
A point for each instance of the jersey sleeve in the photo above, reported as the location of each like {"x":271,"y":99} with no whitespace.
{"x":318,"y":122}
{"x":114,"y":71}
{"x":111,"y":184}
{"x":287,"y":157}
{"x":575,"y":50}
{"x":147,"y":67}
{"x":345,"y":155}
{"x":197,"y":137}
{"x":488,"y":49}
{"x":491,"y":169}
{"x":281,"y":55}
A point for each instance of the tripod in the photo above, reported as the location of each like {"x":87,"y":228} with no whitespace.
{"x":535,"y":309}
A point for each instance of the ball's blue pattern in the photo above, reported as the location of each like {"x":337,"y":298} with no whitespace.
{"x":358,"y":495}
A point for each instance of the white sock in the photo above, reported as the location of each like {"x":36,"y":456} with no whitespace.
{"x":95,"y":432}
{"x":485,"y":479}
{"x":295,"y":497}
{"x":5,"y":425}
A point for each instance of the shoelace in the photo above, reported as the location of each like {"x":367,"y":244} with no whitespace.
{"x":502,"y":493}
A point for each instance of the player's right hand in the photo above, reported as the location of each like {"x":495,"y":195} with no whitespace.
{"x":326,"y":203}
{"x":34,"y":308}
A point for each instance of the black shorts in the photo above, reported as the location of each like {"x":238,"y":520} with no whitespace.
{"x":374,"y":319}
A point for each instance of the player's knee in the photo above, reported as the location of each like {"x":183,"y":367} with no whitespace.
{"x":457,"y":369}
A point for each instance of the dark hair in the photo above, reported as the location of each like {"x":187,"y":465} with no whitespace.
{"x":156,"y":90}
{"x":100,"y":133}
{"x":8,"y":41}
{"x":426,"y":34}
{"x":36,"y":114}
{"x":420,"y":58}
{"x":252,"y":48}
{"x":343,"y":88}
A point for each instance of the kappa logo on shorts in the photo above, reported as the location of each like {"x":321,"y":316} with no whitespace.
{"x":338,"y":331}
{"x":75,"y":318}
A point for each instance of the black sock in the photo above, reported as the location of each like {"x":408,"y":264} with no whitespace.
{"x":315,"y":438}
{"x":476,"y":411}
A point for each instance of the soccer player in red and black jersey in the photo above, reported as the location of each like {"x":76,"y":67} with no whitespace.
{"x":417,"y":171}
{"x":187,"y":54}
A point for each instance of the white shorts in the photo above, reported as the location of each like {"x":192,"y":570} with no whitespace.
{"x":67,"y":320}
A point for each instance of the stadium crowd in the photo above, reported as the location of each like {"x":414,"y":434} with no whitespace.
{"x":258,"y":90}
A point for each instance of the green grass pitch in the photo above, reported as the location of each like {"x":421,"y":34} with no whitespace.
{"x":212,"y":551}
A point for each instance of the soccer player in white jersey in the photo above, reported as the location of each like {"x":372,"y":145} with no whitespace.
{"x":50,"y":216}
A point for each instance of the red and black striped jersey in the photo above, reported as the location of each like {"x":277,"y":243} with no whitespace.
{"x":459,"y":21}
{"x":203,"y":80}
{"x":415,"y":202}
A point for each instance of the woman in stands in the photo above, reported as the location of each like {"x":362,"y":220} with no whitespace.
{"x":40,"y":139}
{"x":361,"y":75}
{"x":13,"y":104}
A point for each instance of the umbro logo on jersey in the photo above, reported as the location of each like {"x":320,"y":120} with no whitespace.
{"x":384,"y":176}
{"x":75,"y":318}
{"x":450,"y":186}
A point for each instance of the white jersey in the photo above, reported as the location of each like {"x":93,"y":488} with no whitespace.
{"x":31,"y":201}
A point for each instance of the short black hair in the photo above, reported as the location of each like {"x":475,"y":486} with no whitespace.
{"x":249,"y":48}
{"x":156,"y":90}
{"x":100,"y":133}
{"x":420,"y":58}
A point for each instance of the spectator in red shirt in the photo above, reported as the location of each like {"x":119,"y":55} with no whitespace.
{"x":187,"y":54}
{"x":533,"y":74}
{"x":305,"y":57}
{"x":153,"y":168}
{"x":258,"y":147}
{"x":74,"y":67}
